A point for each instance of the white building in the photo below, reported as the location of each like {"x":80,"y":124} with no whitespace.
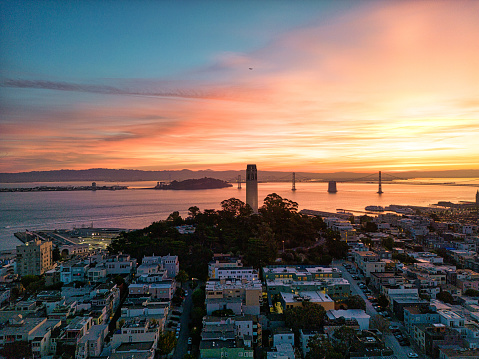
{"x":360,"y":315}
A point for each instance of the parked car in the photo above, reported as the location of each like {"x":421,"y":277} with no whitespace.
{"x":394,"y":328}
{"x":412,"y":355}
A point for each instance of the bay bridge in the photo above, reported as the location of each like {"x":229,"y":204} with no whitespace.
{"x":332,"y":184}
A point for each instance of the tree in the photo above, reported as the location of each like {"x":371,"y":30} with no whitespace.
{"x":29,"y":279}
{"x":404,"y":258}
{"x":388,"y":243}
{"x":355,"y":302}
{"x":193,"y":211}
{"x":262,"y":249}
{"x":182,"y":276}
{"x":471,"y":292}
{"x":345,"y":338}
{"x":321,"y":348}
{"x":17,"y":349}
{"x":379,"y":323}
{"x":446,"y":297}
{"x":307,"y":316}
{"x":371,"y":227}
{"x":234,"y":207}
{"x":175,"y":218}
{"x":166,"y":343}
{"x":383,"y":301}
{"x":56,"y":255}
{"x":337,"y":248}
{"x":198,"y":297}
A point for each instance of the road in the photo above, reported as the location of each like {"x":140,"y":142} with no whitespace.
{"x":182,"y":342}
{"x":389,"y":339}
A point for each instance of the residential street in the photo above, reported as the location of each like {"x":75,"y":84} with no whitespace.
{"x":391,"y":342}
{"x":182,"y":343}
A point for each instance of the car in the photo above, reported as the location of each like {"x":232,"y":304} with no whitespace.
{"x":412,"y":355}
{"x":190,"y":340}
{"x":394,"y":328}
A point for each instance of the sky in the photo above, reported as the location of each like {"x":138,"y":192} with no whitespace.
{"x":316,"y":86}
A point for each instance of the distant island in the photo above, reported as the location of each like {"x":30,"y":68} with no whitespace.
{"x":194,"y":184}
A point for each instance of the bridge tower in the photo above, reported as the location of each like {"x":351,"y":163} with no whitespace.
{"x":380,"y":190}
{"x":293,"y":188}
{"x":332,"y":187}
{"x":239,"y":181}
{"x":252,"y":187}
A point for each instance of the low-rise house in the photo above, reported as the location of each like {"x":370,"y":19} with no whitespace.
{"x":75,"y":330}
{"x":281,"y":351}
{"x":91,"y":344}
{"x":136,"y":330}
{"x":304,"y":336}
{"x":120,"y":264}
{"x":134,"y":350}
{"x":97,"y":274}
{"x":369,"y":262}
{"x":282,"y":336}
{"x":357,"y":314}
{"x":429,"y":337}
{"x":458,"y":353}
{"x":36,"y":331}
{"x":290,"y":300}
{"x":419,"y":315}
{"x":170,"y":263}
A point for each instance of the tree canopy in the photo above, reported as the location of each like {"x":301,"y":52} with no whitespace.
{"x":308,"y":316}
{"x":236,"y":229}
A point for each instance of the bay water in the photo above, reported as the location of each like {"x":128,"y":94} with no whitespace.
{"x":137,"y":207}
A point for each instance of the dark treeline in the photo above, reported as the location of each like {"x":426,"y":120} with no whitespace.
{"x":257,"y":238}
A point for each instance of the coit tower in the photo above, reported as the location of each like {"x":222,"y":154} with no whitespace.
{"x":252,"y":187}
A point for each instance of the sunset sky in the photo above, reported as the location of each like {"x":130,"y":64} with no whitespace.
{"x":312,"y":86}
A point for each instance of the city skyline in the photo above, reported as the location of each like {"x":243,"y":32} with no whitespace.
{"x":301,"y":86}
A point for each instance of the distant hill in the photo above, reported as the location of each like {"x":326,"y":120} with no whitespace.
{"x":126,"y":175}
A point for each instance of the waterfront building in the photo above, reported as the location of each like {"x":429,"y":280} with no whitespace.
{"x":34,"y":257}
{"x":252,"y":187}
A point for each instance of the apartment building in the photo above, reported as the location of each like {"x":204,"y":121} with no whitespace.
{"x":369,"y":262}
{"x":243,"y":297}
{"x":34,"y":258}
